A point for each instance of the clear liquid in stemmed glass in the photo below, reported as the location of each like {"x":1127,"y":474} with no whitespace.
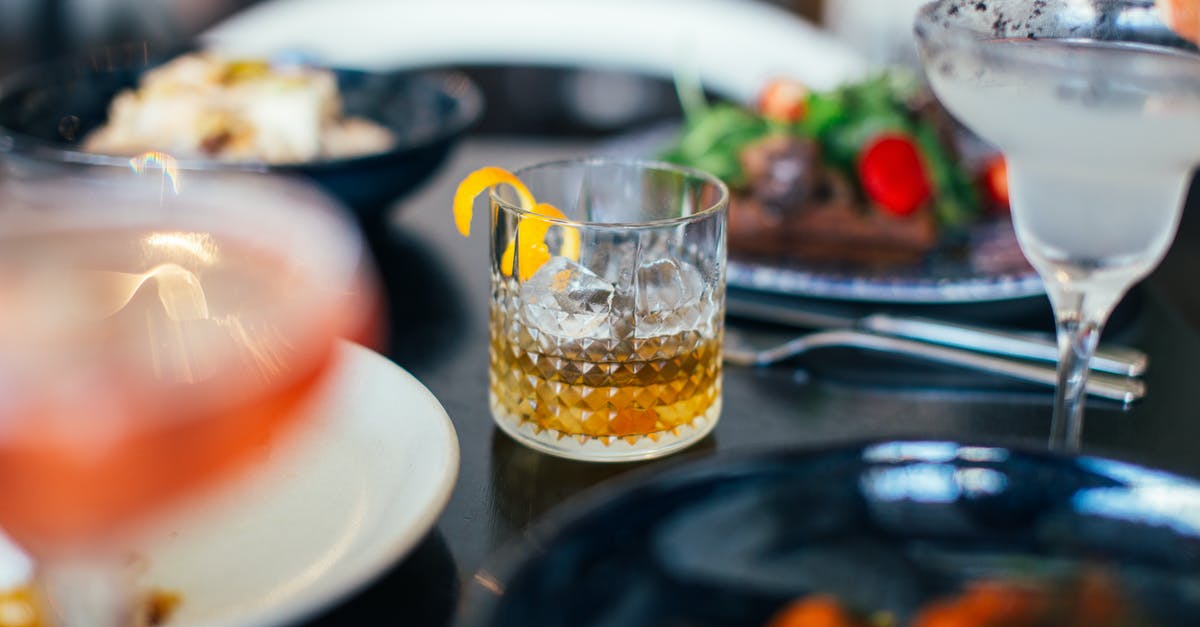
{"x":1099,"y":125}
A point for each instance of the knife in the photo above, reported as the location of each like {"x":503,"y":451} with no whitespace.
{"x":1033,"y":346}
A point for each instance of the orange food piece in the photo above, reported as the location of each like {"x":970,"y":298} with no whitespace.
{"x":159,"y":605}
{"x":998,"y":603}
{"x":1098,"y":601}
{"x":1183,"y":17}
{"x":783,"y":100}
{"x":531,"y":230}
{"x":815,"y":611}
{"x":20,"y":607}
{"x":1093,"y":599}
{"x":986,"y":604}
{"x":945,"y":614}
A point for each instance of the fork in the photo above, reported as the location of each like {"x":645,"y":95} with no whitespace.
{"x":739,"y":350}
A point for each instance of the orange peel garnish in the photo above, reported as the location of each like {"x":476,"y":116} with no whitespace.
{"x":478,"y":182}
{"x":531,"y":230}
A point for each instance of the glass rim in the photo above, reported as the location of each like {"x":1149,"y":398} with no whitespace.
{"x":939,"y":29}
{"x":318,"y":218}
{"x":959,"y":29}
{"x":715,"y":208}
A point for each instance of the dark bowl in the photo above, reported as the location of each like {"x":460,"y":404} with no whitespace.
{"x":882,"y":526}
{"x":46,"y":111}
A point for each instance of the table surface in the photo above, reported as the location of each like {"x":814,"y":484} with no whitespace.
{"x":439,"y":287}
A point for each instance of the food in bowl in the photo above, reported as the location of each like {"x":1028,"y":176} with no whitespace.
{"x":872,"y":173}
{"x":1091,"y":597}
{"x":203,"y":105}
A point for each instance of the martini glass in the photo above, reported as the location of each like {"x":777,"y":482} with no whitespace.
{"x":160,"y":330}
{"x":1096,"y":106}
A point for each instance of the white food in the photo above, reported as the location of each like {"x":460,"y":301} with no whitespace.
{"x":202,"y":105}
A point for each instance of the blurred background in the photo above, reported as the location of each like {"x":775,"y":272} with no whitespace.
{"x":529,"y":100}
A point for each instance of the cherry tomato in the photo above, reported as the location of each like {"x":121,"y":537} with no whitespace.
{"x":783,"y":100}
{"x":893,"y":174}
{"x":995,"y":181}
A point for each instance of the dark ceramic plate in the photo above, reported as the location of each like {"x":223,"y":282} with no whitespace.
{"x":46,"y":111}
{"x":886,"y":526}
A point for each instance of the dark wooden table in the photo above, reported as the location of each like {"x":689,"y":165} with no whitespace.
{"x":439,"y":286}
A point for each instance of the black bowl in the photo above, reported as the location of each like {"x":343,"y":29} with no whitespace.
{"x":882,"y":526}
{"x":46,"y":111}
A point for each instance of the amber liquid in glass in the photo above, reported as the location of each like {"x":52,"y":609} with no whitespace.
{"x":623,"y":387}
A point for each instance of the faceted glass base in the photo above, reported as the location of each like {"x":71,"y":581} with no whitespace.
{"x":607,"y":448}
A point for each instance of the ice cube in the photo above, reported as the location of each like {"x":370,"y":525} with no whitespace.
{"x":566,"y":299}
{"x":613,"y":261}
{"x":668,"y":297}
{"x":666,"y":284}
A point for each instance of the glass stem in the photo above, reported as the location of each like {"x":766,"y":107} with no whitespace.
{"x":1077,"y":339}
{"x":85,"y":593}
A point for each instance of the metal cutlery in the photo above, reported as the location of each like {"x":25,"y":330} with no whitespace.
{"x":739,"y":349}
{"x":1119,"y":360}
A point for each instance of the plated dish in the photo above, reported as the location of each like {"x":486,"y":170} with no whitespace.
{"x":869,"y":191}
{"x":886,"y":527}
{"x":48,"y":112}
{"x":358,"y":489}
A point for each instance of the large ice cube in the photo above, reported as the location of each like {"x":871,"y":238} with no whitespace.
{"x":668,"y":297}
{"x":613,"y":261}
{"x":666,"y":284}
{"x":566,"y":299}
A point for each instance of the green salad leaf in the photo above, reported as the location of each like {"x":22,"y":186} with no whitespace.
{"x":843,"y":121}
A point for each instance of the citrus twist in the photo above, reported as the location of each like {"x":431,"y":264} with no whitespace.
{"x":529,"y":250}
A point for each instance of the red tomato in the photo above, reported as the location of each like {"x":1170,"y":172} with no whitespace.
{"x":893,"y":174}
{"x":783,"y":100}
{"x":995,"y":180}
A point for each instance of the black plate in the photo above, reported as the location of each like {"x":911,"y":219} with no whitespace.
{"x":887,"y":526}
{"x":46,"y":111}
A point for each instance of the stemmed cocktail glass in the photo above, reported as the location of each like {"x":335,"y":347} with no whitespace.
{"x":1096,"y":106}
{"x":159,"y":329}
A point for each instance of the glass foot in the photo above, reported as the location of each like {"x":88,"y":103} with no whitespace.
{"x":607,"y":448}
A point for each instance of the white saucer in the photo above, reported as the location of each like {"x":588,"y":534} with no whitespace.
{"x":351,"y":495}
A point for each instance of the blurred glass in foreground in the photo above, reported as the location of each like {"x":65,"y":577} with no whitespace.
{"x":159,"y":331}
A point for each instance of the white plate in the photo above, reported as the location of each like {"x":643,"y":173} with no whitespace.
{"x":732,"y":46}
{"x":356,"y":490}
